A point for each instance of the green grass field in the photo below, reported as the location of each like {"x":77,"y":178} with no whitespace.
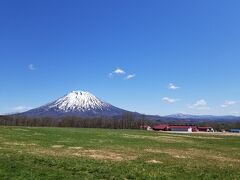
{"x":68,"y":153}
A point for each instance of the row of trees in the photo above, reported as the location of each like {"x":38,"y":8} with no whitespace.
{"x":126,"y":121}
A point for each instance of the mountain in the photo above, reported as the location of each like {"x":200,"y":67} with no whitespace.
{"x":85,"y":104}
{"x":76,"y":103}
{"x":203,"y":117}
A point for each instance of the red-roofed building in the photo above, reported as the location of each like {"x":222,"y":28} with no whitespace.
{"x":183,"y":128}
{"x":161,"y":127}
{"x":206,"y":129}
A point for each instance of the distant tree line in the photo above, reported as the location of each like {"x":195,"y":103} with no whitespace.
{"x":126,"y":121}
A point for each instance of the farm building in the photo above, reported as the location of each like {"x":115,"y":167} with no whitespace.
{"x":182,"y":128}
{"x":161,"y":127}
{"x":206,"y":129}
{"x":234,"y":130}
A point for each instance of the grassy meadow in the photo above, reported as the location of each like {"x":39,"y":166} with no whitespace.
{"x":71,"y":153}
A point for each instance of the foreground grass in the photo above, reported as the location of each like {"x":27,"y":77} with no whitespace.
{"x":68,"y":153}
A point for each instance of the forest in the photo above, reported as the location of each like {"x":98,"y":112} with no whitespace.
{"x":126,"y":121}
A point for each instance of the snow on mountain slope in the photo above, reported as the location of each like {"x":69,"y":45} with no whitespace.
{"x":77,"y":103}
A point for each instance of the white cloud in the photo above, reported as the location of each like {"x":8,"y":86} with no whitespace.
{"x":169,"y":100}
{"x":130,"y":76}
{"x":119,"y":71}
{"x":228,"y":103}
{"x":173,"y":86}
{"x":31,"y":67}
{"x":200,"y":105}
{"x":22,"y":108}
{"x":236,"y":113}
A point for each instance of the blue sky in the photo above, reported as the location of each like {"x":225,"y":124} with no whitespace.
{"x":179,"y":56}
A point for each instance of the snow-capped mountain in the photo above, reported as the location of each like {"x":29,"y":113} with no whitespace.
{"x":76,"y":103}
{"x":85,"y":104}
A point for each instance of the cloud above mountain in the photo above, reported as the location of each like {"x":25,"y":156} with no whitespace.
{"x":200,"y":105}
{"x":121,"y":72}
{"x":130,"y":76}
{"x":21,"y":108}
{"x":228,"y":103}
{"x":173,"y":86}
{"x":169,"y":100}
